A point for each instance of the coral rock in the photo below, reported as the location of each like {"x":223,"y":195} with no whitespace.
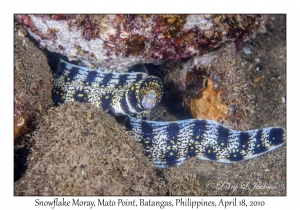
{"x":120,"y":41}
{"x":208,"y":106}
{"x":206,"y":178}
{"x":32,"y":84}
{"x":188,"y":78}
{"x":82,"y":150}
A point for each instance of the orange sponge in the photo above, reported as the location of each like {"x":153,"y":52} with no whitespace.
{"x":209,"y":105}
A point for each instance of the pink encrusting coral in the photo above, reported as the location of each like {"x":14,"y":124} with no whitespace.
{"x":120,"y":41}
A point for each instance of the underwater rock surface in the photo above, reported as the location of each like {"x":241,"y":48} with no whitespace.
{"x":213,"y":86}
{"x":263,"y":176}
{"x":120,"y":41}
{"x":32,"y":83}
{"x":195,"y":177}
{"x":81,"y":150}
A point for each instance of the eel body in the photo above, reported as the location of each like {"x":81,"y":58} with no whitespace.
{"x":165,"y":143}
{"x":171,"y":143}
{"x":119,"y":93}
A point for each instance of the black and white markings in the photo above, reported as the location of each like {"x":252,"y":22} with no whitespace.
{"x":119,"y":93}
{"x":170,"y":143}
{"x":165,"y":143}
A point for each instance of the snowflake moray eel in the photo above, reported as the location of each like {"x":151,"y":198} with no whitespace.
{"x":165,"y":143}
{"x":119,"y":93}
{"x":170,"y":143}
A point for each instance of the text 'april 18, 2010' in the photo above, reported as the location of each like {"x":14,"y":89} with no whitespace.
{"x":147,"y":202}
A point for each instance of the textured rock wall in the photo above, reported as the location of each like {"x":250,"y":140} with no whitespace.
{"x":120,"y":41}
{"x":81,"y":150}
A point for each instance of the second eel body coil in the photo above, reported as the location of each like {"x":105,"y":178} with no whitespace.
{"x":165,"y":143}
{"x":170,"y":143}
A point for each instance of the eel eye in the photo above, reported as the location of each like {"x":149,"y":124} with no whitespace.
{"x":149,"y":100}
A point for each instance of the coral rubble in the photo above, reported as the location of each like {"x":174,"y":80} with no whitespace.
{"x":77,"y":153}
{"x":120,"y":41}
{"x":32,"y":87}
{"x":259,"y":176}
{"x":82,"y":150}
{"x":223,"y":68}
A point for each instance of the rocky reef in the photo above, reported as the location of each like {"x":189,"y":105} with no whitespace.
{"x":120,"y":41}
{"x":212,"y":86}
{"x":77,"y":149}
{"x":263,"y":176}
{"x":32,"y":83}
{"x":32,"y":94}
{"x":81,"y":150}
